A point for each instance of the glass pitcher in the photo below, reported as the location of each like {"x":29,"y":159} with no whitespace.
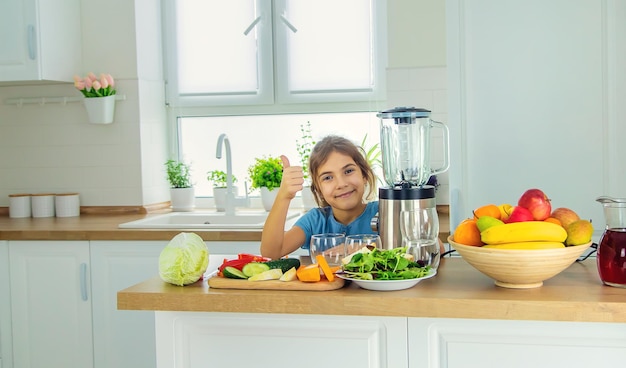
{"x":611,"y":256}
{"x":405,"y":138}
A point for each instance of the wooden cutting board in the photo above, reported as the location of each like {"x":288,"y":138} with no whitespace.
{"x":218,"y":282}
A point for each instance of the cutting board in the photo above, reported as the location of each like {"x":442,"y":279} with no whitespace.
{"x":218,"y":282}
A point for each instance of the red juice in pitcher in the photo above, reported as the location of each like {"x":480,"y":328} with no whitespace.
{"x":611,"y":257}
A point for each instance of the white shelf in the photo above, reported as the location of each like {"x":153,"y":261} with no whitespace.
{"x":19,"y":101}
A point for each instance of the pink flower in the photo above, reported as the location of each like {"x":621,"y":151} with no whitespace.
{"x":110,"y":80}
{"x":104,"y":81}
{"x":92,"y":86}
{"x":79,"y":84}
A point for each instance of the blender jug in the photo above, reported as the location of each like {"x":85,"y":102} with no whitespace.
{"x":405,"y":135}
{"x":405,"y":146}
{"x":611,"y":255}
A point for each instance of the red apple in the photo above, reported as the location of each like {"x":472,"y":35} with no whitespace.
{"x":537,"y":203}
{"x":519,"y":214}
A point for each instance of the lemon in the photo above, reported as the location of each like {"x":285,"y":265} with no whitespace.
{"x":273,"y":274}
{"x":290,"y":275}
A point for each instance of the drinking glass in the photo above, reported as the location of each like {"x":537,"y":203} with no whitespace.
{"x":331,"y":245}
{"x":356,"y":242}
{"x":420,"y":233}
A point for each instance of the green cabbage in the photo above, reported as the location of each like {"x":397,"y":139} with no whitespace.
{"x":184,"y":259}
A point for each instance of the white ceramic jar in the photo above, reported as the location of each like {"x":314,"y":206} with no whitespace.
{"x":42,"y":205}
{"x":67,"y":205}
{"x":19,"y":205}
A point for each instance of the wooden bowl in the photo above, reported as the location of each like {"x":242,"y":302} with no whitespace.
{"x":519,"y":268}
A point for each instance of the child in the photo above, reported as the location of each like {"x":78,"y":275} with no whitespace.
{"x":340,"y":177}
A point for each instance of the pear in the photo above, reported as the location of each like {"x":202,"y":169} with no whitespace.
{"x":485,"y":222}
{"x":579,"y":232}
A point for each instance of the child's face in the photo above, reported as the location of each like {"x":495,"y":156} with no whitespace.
{"x":341,"y":182}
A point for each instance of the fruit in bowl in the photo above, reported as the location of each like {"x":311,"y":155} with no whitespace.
{"x":521,"y":251}
{"x":519,"y":268}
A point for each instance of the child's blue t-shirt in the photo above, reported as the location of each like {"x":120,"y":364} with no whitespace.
{"x":321,"y":220}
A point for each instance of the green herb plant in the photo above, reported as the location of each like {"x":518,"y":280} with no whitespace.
{"x":305,"y":145}
{"x":178,"y":174}
{"x":218,"y":178}
{"x":266,"y":172}
{"x":373,"y":156}
{"x":390,"y":264}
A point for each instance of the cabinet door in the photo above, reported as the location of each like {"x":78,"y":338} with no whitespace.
{"x":534,"y":102}
{"x":190,"y":340}
{"x":51,"y":304}
{"x":465,"y":343}
{"x":122,"y":338}
{"x":39,"y":40}
{"x":5,"y":307}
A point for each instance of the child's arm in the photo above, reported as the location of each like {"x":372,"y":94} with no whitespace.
{"x":275,"y":241}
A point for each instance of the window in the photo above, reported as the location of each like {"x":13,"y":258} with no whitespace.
{"x":258,"y":69}
{"x":274,"y":54}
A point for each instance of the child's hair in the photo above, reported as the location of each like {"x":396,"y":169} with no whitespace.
{"x":323,"y":149}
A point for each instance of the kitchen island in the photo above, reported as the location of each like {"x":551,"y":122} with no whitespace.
{"x":457,"y":319}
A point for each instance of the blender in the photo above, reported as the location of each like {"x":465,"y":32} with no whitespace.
{"x":405,"y":135}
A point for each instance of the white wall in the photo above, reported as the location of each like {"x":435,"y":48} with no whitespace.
{"x":52,"y":148}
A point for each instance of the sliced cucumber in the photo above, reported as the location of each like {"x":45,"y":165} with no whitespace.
{"x":233,"y":273}
{"x":254,"y":268}
{"x":284,"y":264}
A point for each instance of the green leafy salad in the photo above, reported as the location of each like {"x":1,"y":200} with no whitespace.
{"x":391,"y":264}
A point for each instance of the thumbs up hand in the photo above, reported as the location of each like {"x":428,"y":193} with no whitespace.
{"x":293,"y":179}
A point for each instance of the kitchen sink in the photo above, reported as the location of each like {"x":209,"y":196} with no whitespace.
{"x":204,"y":220}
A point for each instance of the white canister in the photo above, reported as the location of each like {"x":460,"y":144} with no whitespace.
{"x":19,"y":205}
{"x":67,"y":205}
{"x":43,"y":204}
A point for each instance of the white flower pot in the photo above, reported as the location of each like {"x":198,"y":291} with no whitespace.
{"x":268,"y":197}
{"x":219,"y":195}
{"x":308,"y":200}
{"x":100,"y":109}
{"x":183,"y":199}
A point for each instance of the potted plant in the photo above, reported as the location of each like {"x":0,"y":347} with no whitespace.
{"x":99,"y":96}
{"x":181,"y":190}
{"x":218,"y":178}
{"x":266,"y":174}
{"x":305,"y":145}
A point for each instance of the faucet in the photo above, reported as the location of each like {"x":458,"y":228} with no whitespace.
{"x":231,"y":200}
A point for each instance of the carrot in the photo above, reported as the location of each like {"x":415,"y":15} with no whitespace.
{"x":325,"y":267}
{"x":310,"y":273}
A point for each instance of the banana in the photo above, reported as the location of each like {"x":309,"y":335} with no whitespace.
{"x":526,"y":231}
{"x":531,"y":245}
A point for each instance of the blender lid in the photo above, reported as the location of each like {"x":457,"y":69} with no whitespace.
{"x":404,"y":112}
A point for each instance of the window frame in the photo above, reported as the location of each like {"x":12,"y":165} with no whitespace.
{"x":272,"y":99}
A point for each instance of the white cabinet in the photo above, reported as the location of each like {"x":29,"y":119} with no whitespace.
{"x":194,"y":339}
{"x":5,"y":307}
{"x":122,"y":338}
{"x":39,"y":40}
{"x":536,"y":90}
{"x":464,"y":343}
{"x":50,"y":304}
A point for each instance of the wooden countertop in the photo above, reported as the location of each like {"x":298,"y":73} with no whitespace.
{"x":105,"y":227}
{"x":458,"y":291}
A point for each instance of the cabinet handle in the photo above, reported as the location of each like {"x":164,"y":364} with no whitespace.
{"x":288,"y":24}
{"x":31,"y":42}
{"x":254,"y":23}
{"x":83,"y":281}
